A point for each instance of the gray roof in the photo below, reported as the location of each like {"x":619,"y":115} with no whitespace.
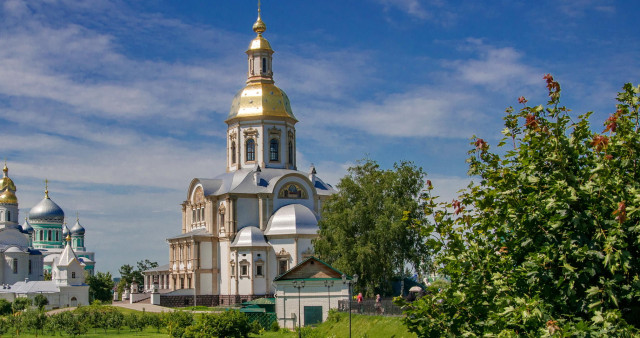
{"x":241,"y":181}
{"x":161,"y":268}
{"x":33,"y":287}
{"x":46,"y":211}
{"x":249,"y":237}
{"x":10,"y":237}
{"x":292,"y":219}
{"x":197,"y":232}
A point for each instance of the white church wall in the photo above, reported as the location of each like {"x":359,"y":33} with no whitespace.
{"x":206,"y":255}
{"x":205,"y":284}
{"x":247,"y":212}
{"x":223,"y":263}
{"x":22,"y":268}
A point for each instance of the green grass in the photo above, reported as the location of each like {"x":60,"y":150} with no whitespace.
{"x":96,"y":333}
{"x":364,"y":326}
{"x":361,"y":326}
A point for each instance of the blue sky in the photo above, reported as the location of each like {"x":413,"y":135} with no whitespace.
{"x":121,"y":103}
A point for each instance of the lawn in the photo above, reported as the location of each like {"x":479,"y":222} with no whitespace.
{"x":361,"y":325}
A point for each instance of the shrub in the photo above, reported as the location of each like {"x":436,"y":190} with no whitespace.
{"x":275,"y":327}
{"x":34,"y":320}
{"x":177,"y":321}
{"x":20,"y":304}
{"x":40,"y":301}
{"x":5,"y":307}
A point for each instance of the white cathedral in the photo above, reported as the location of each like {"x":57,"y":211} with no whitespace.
{"x":252,"y":223}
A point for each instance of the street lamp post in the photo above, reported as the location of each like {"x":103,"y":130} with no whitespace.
{"x":328,"y":284}
{"x":299,"y":285}
{"x":349,"y":282}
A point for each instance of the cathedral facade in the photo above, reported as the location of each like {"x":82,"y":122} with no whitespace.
{"x":252,"y":223}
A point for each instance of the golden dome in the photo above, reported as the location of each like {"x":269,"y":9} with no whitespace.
{"x":5,"y":181}
{"x":261,"y":100}
{"x":8,"y":197}
{"x":259,"y":26}
{"x":260,"y":43}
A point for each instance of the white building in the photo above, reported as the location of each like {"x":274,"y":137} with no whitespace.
{"x":67,"y":287}
{"x":29,"y":250}
{"x":306,"y":293}
{"x":254,"y":222}
{"x":18,"y":259}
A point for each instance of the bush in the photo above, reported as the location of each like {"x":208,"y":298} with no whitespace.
{"x":177,"y":321}
{"x":275,"y":327}
{"x":255,"y":327}
{"x":155,"y":320}
{"x":40,"y":301}
{"x":5,"y":307}
{"x":34,"y":320}
{"x":20,"y":304}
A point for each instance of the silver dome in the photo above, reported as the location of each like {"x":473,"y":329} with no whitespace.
{"x":292,"y":219}
{"x":26,"y":227}
{"x":77,"y":229}
{"x":46,"y":211}
{"x":65,"y":231}
{"x":249,"y":237}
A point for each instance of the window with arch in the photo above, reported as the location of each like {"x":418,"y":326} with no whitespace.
{"x":290,"y":152}
{"x":292,"y":190}
{"x":273,"y":150}
{"x":233,"y":152}
{"x":251,"y":150}
{"x":264,"y":65}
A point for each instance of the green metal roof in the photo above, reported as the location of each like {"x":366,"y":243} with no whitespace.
{"x":268,"y":301}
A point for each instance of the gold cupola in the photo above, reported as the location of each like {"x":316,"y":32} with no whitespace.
{"x":7,"y":188}
{"x":260,"y":98}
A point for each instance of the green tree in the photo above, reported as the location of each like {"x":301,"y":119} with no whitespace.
{"x":127,"y":275}
{"x":130,"y":274}
{"x":176,"y":322}
{"x":34,"y":320}
{"x":364,"y":230}
{"x":40,"y":301}
{"x":5,"y":307}
{"x":20,"y":303}
{"x":100,"y":286}
{"x":116,"y":320}
{"x":548,"y":242}
{"x":231,"y":323}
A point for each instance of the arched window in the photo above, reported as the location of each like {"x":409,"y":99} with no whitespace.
{"x":264,"y":65}
{"x":251,"y":150}
{"x":273,"y":150}
{"x":233,"y":152}
{"x":290,"y":152}
{"x":8,"y":215}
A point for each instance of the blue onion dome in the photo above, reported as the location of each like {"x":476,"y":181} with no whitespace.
{"x":46,"y":211}
{"x":65,"y":231}
{"x":26,"y":227}
{"x":77,"y":229}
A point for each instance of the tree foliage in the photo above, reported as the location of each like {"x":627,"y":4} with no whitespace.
{"x":40,"y":301}
{"x":100,"y":286}
{"x":548,"y":242}
{"x":130,"y":274}
{"x":364,"y":230}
